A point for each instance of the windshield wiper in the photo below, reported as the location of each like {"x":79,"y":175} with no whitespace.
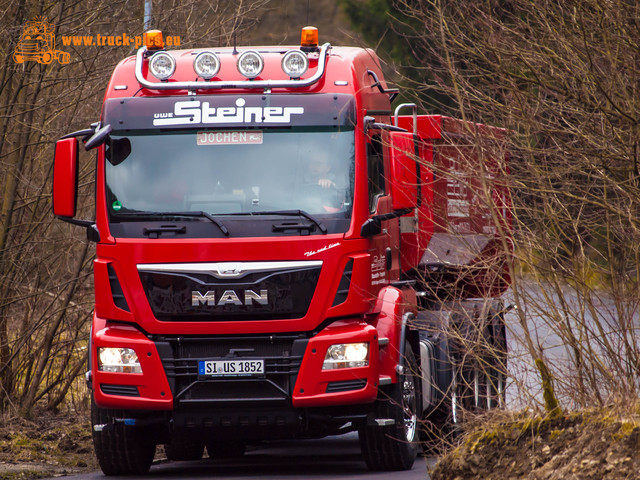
{"x":288,"y":213}
{"x":197,"y":214}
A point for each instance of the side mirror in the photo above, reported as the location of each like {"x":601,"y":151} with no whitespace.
{"x":405,"y":186}
{"x":65,"y":178}
{"x":98,"y":138}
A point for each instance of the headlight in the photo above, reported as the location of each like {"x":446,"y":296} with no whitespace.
{"x":295,"y":63}
{"x":162,"y":65}
{"x":346,"y":355}
{"x":206,"y":65}
{"x":250,"y":64}
{"x":119,"y":360}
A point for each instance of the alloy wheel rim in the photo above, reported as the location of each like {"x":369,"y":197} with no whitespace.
{"x":409,"y":409}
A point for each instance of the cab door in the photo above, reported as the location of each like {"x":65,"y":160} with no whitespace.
{"x":383,"y":246}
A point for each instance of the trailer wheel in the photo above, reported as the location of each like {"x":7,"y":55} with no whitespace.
{"x":184,"y":449}
{"x":121,"y":450}
{"x":394,"y":447}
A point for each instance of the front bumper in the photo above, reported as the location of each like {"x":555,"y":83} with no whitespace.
{"x":293,"y":370}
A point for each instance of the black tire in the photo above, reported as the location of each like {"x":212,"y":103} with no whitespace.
{"x":478,"y":363}
{"x":120,"y":449}
{"x":183,"y":449}
{"x":394,"y":447}
{"x":442,"y":427}
{"x":226,"y":450}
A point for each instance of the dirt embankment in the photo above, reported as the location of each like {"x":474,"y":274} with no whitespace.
{"x":46,"y":446}
{"x":593,"y":445}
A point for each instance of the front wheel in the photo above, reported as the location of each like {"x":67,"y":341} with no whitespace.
{"x":120,"y":449}
{"x":394,"y":446}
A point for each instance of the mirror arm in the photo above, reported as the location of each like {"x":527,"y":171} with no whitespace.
{"x":98,"y":138}
{"x":92,"y":231}
{"x":370,"y":122}
{"x":79,"y":133}
{"x":74,"y":221}
{"x":373,"y":225}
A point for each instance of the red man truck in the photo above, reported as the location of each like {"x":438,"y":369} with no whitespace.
{"x":282,"y":255}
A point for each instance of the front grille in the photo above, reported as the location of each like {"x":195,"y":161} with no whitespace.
{"x":282,"y":355}
{"x":267,"y":295}
{"x":226,"y":391}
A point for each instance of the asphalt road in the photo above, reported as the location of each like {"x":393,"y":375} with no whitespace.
{"x":331,"y":458}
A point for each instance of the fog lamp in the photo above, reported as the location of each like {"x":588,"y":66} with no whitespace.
{"x":118,"y":360}
{"x":346,"y":355}
{"x":162,"y":65}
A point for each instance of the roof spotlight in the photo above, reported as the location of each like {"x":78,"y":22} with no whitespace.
{"x":250,"y":64}
{"x":295,"y":63}
{"x":162,"y":65}
{"x":206,"y":65}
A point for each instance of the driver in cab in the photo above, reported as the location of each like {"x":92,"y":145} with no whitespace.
{"x":319,"y":174}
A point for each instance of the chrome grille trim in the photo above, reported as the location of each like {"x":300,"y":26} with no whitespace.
{"x":224,"y":270}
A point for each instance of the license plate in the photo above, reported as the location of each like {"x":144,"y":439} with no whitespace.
{"x":231,"y":368}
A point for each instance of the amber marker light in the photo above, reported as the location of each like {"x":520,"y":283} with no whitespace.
{"x":153,"y":40}
{"x":309,"y":37}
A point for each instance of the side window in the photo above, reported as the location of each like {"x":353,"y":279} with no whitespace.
{"x":375,"y":171}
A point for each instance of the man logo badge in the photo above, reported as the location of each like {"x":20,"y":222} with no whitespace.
{"x":229,"y":297}
{"x":229,"y":270}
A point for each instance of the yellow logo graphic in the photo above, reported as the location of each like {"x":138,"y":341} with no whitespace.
{"x":37,"y":43}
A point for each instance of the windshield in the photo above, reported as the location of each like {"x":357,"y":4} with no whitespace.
{"x":231,"y":172}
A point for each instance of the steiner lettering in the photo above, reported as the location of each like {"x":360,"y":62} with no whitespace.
{"x":196,"y":112}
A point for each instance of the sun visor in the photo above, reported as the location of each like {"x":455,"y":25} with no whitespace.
{"x":225,"y":111}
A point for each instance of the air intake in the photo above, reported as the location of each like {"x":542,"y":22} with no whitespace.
{"x":116,"y":289}
{"x":345,"y":283}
